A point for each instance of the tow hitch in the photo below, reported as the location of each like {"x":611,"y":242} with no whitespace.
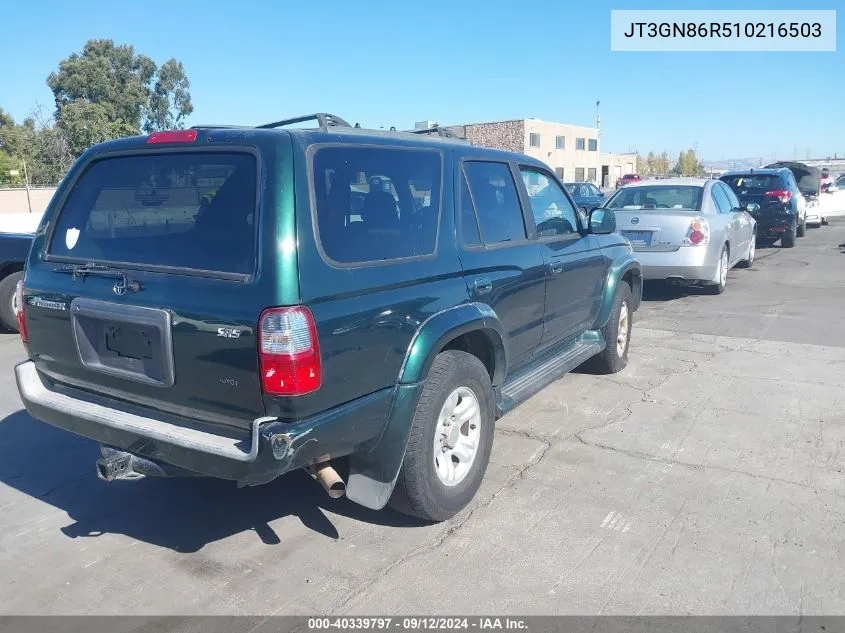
{"x":117,"y":465}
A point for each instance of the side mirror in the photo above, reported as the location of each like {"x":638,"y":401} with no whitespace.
{"x":751,"y":207}
{"x":602,"y":221}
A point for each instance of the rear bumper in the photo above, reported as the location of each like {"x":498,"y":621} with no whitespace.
{"x":272,"y":447}
{"x":776,"y":228}
{"x":688,"y":263}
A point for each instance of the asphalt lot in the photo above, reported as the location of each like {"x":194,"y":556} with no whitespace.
{"x":707,"y":478}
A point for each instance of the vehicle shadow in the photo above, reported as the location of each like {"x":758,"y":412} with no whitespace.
{"x":662,"y":291}
{"x":182,"y":514}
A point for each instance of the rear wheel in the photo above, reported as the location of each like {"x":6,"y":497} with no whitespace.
{"x":802,"y":228}
{"x":788,"y":241}
{"x":721,"y":275}
{"x":617,"y":335}
{"x":8,"y":292}
{"x":450,"y":442}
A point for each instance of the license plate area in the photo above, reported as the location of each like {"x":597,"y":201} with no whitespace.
{"x":128,"y":342}
{"x":638,"y":238}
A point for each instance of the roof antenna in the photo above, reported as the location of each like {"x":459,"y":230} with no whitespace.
{"x":392,"y":128}
{"x":358,"y":125}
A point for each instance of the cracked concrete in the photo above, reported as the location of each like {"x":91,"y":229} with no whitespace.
{"x":706,"y":478}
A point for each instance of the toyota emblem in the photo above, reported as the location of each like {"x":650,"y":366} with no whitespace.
{"x":635,"y":220}
{"x":119,"y":288}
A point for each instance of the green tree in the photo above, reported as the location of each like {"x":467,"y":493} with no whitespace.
{"x":132,"y":92}
{"x":84,"y":124}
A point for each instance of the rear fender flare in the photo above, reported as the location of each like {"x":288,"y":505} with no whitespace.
{"x":617,"y":271}
{"x":372,"y":475}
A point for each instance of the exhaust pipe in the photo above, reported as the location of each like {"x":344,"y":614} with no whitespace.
{"x":328,"y":479}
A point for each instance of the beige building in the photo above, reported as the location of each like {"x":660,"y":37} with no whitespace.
{"x":573,"y":151}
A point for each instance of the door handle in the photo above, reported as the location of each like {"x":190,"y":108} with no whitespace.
{"x":482,"y":286}
{"x":557,"y":267}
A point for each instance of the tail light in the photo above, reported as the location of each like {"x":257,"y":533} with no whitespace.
{"x":698,"y":233}
{"x":781,"y":194}
{"x":173,"y":136}
{"x":19,"y":314}
{"x":288,"y":351}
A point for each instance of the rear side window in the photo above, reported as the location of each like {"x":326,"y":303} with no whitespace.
{"x":496,"y":202}
{"x":185,"y":210}
{"x":376,"y":204}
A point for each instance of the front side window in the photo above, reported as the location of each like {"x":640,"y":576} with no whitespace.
{"x":553,"y":213}
{"x":496,"y":202}
{"x":187,"y":210}
{"x":376,"y":204}
{"x":579,"y":143}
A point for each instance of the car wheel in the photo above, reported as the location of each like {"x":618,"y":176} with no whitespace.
{"x":802,"y":229}
{"x":451,"y":439}
{"x":788,"y":241}
{"x":617,"y":335}
{"x":749,"y":258}
{"x":721,"y":280}
{"x":8,"y":290}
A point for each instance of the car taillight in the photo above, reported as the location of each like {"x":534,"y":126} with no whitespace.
{"x":173,"y":136}
{"x":698,"y":233}
{"x":288,"y":352}
{"x":781,"y":194}
{"x":19,"y":313}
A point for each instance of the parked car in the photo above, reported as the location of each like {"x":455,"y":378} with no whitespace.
{"x":782,"y":212}
{"x":586,"y":195}
{"x":627,"y":179}
{"x":688,"y":231}
{"x":264,"y":329}
{"x":14,"y":248}
{"x":808,"y":179}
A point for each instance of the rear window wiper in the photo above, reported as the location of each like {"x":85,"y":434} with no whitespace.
{"x":80,"y":271}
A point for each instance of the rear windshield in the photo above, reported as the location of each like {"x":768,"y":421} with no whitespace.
{"x":762,"y":182}
{"x":657,"y":197}
{"x":186,"y":210}
{"x":375,"y":204}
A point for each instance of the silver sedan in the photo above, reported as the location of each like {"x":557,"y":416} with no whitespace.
{"x":686,"y":230}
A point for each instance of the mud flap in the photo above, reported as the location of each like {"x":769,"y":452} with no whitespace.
{"x":372,"y":475}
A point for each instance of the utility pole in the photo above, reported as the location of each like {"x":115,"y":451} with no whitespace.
{"x":26,"y":184}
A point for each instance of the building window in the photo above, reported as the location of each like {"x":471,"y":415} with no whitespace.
{"x":579,"y":173}
{"x":591,"y":174}
{"x":560,"y":142}
{"x":559,"y":171}
{"x":579,"y":143}
{"x":534,"y":140}
{"x":594,"y":145}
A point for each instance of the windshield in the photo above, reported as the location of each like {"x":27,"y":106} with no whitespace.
{"x":657,"y":197}
{"x":759,"y":182}
{"x":185,"y":210}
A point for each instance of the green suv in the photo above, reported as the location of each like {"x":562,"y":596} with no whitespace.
{"x":241,"y":302}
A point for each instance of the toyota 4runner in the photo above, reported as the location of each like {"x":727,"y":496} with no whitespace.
{"x":241,"y":302}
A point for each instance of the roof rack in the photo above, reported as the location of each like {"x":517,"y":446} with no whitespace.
{"x":440,"y":131}
{"x":324,"y":119}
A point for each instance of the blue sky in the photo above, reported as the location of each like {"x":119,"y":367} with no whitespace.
{"x":393,"y":62}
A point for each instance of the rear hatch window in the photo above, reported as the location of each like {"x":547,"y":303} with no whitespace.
{"x":193,"y":211}
{"x":753,"y":184}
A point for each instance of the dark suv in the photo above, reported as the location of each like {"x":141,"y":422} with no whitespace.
{"x":241,"y":302}
{"x":782,"y":207}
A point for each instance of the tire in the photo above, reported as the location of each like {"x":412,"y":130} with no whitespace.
{"x":420,"y":491}
{"x":749,"y":258}
{"x":801,"y":231}
{"x":788,"y":241}
{"x":8,"y":287}
{"x":612,"y":360}
{"x":719,"y":287}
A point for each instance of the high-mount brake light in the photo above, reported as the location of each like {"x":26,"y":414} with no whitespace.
{"x":172,"y":136}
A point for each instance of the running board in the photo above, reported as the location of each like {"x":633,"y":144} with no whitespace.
{"x":547,"y":368}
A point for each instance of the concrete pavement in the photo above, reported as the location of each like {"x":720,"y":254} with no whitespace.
{"x":707,"y":478}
